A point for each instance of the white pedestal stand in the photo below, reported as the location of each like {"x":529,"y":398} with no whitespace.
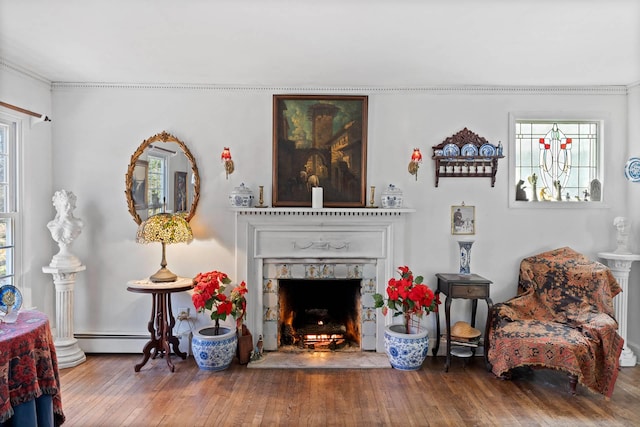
{"x":620,"y":265}
{"x":68,"y":352}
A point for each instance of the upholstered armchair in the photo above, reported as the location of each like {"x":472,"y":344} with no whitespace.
{"x":562,"y":318}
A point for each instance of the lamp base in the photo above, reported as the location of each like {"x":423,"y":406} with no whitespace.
{"x":163,"y":275}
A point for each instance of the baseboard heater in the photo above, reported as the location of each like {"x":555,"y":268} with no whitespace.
{"x":111,"y":343}
{"x":122,"y":343}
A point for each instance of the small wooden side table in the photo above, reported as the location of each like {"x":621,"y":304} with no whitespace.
{"x":161,"y":324}
{"x":464,"y":286}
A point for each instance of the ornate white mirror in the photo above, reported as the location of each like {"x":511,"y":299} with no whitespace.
{"x":162,"y":177}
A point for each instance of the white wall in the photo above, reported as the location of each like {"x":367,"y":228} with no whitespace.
{"x":35,"y":168}
{"x":97,"y":128}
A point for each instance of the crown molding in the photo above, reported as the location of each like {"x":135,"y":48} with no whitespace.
{"x":445,"y":89}
{"x":4,"y":64}
{"x":431,"y":89}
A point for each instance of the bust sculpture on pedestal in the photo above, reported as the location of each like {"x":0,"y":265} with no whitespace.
{"x":622,"y":238}
{"x":64,"y":228}
{"x":619,"y":261}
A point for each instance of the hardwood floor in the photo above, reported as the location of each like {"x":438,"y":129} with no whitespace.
{"x":105,"y":391}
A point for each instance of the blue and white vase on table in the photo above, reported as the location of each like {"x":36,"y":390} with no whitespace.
{"x":465,"y":256}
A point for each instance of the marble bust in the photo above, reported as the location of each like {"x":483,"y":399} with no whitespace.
{"x":64,"y":228}
{"x":622,"y":238}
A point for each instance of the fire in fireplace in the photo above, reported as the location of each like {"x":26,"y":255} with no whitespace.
{"x":319,"y":314}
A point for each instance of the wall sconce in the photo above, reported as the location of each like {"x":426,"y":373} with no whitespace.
{"x":414,"y":164}
{"x":228,"y":163}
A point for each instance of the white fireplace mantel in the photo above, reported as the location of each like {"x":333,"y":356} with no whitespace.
{"x":266,"y":237}
{"x":367,"y":212}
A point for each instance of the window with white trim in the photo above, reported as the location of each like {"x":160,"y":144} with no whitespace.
{"x":157,"y":179}
{"x":8,"y":200}
{"x":557,"y":160}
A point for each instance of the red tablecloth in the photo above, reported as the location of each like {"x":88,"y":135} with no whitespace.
{"x":28,"y":364}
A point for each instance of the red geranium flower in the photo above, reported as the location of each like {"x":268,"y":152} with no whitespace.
{"x":407,"y":297}
{"x":198,"y":301}
{"x":208,"y":294}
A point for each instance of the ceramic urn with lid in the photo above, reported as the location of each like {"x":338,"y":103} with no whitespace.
{"x":241,"y":197}
{"x":391,"y":198}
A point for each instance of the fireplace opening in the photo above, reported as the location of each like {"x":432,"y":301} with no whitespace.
{"x":319,"y":314}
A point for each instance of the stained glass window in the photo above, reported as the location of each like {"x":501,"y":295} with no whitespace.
{"x":558,"y":161}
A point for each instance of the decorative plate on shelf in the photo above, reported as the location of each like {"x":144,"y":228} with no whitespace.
{"x":632,"y":169}
{"x":487,"y":150}
{"x":469,"y":150}
{"x":10,"y":296}
{"x":450,"y":150}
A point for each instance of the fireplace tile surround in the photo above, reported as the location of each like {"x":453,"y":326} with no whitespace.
{"x":296,"y":269}
{"x":317,"y":244}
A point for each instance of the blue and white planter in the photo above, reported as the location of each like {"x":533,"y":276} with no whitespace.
{"x":406,"y":351}
{"x":214,"y":352}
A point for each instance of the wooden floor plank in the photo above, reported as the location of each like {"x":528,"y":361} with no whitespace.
{"x":105,"y":391}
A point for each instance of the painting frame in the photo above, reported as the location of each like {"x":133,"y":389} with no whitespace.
{"x":140,"y":184}
{"x":319,"y":141}
{"x":463,"y":220}
{"x":180,"y":201}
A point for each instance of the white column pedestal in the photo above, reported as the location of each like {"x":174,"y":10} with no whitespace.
{"x":68,"y":352}
{"x":620,"y":265}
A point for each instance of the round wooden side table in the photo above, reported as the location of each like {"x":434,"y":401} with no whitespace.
{"x":161,"y":324}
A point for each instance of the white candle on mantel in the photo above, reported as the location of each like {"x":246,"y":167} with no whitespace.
{"x":316,"y":197}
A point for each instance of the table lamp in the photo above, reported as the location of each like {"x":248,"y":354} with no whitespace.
{"x":164,"y":228}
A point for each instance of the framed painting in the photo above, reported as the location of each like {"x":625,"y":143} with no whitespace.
{"x":319,"y":141}
{"x":180,"y":192}
{"x":139,"y":190}
{"x":463,"y":219}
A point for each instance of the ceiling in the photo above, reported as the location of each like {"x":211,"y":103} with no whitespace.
{"x":292,"y":43}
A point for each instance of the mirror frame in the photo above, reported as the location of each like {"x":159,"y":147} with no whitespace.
{"x":161,"y":137}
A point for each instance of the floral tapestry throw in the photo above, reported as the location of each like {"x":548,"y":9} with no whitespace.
{"x":562,"y":318}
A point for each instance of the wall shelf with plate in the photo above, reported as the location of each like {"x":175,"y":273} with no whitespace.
{"x":466,"y":155}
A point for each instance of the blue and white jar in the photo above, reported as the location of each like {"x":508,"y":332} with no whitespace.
{"x":241,"y":197}
{"x":391,"y":197}
{"x":406,"y":352}
{"x":214,"y":352}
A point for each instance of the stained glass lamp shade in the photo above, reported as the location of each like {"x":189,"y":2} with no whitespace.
{"x":164,"y":228}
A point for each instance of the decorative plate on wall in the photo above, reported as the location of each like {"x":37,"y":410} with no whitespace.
{"x":10,"y":296}
{"x":487,"y":150}
{"x":469,"y":150}
{"x":632,"y":169}
{"x":451,"y":150}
